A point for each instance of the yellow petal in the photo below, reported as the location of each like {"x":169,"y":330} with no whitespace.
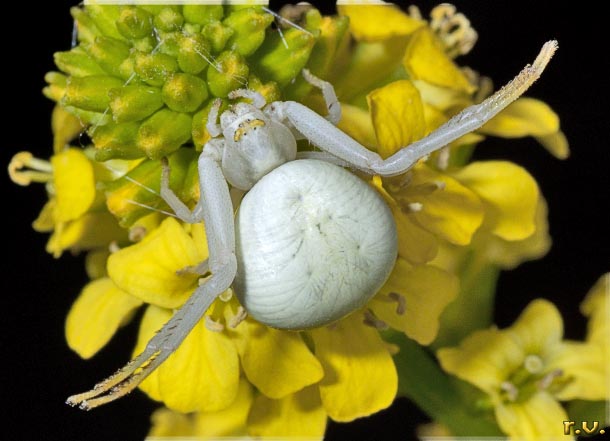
{"x":167,"y":423}
{"x":485,"y":358}
{"x":540,"y":417}
{"x":442,"y":98}
{"x":230,"y":421}
{"x":74,"y":184}
{"x":524,"y":117}
{"x":374,"y":21}
{"x":539,"y":328}
{"x":452,"y":212}
{"x":556,"y":144}
{"x":147,"y":269}
{"x":45,"y":221}
{"x":425,"y":59}
{"x":585,"y":369}
{"x":510,"y":195}
{"x":596,"y":307}
{"x":426,"y":291}
{"x":357,"y":123}
{"x":92,"y":230}
{"x":65,"y":128}
{"x":277,"y":362}
{"x":95,"y":263}
{"x":96,"y":315}
{"x":415,"y":244}
{"x":202,"y":374}
{"x":509,"y":254}
{"x":370,"y":64}
{"x":398,"y":116}
{"x":297,"y":415}
{"x":359,"y":374}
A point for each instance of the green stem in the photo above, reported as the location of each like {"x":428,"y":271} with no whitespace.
{"x":423,"y":381}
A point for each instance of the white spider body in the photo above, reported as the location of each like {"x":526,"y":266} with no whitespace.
{"x":254,"y":145}
{"x":313,"y":243}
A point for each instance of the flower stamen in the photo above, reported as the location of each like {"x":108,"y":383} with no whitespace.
{"x":533,"y":364}
{"x":113,"y":247}
{"x":414,"y":207}
{"x":137,"y":233}
{"x":213,"y":325}
{"x":442,"y":160}
{"x":511,"y":390}
{"x":39,"y":169}
{"x":239,"y":317}
{"x":401,"y":306}
{"x":453,"y":29}
{"x":546,"y":381}
{"x":371,"y":320}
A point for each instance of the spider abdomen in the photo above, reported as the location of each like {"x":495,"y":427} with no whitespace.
{"x":314,"y":243}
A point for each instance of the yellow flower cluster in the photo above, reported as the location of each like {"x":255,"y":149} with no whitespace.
{"x":397,"y":80}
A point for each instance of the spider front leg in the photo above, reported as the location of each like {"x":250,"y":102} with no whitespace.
{"x":216,"y":210}
{"x":330,"y":97}
{"x":327,"y":137}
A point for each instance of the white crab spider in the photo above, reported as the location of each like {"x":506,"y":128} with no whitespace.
{"x":314,"y":242}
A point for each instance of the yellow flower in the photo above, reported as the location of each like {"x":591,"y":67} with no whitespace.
{"x":495,"y":205}
{"x":527,"y":369}
{"x":344,"y":371}
{"x":73,"y":213}
{"x":596,"y":307}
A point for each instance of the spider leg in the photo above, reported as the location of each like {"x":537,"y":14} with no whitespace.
{"x":211,"y":125}
{"x":258,"y":100}
{"x":328,"y":92}
{"x":326,"y":136}
{"x":217,"y":213}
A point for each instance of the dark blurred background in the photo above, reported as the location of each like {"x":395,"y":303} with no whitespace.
{"x":38,"y":369}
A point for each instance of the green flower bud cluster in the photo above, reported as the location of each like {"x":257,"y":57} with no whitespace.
{"x":142,"y":78}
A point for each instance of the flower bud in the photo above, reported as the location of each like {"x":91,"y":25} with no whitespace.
{"x":77,"y":63}
{"x":134,"y":23}
{"x":87,"y":31}
{"x":168,"y":19}
{"x":193,"y":53}
{"x":163,"y":133}
{"x":184,"y":92}
{"x":154,"y":69}
{"x":230,"y":73}
{"x":134,"y":102}
{"x":90,"y":93}
{"x":109,"y":54}
{"x":170,"y":43}
{"x":217,"y":34}
{"x":281,"y":62}
{"x":249,"y":25}
{"x":56,"y":85}
{"x":270,"y":91}
{"x":332,"y":33}
{"x":202,"y":14}
{"x":128,"y":197}
{"x":105,"y":17}
{"x":115,"y":141}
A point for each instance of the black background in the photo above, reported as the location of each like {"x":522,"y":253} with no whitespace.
{"x":39,"y":371}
